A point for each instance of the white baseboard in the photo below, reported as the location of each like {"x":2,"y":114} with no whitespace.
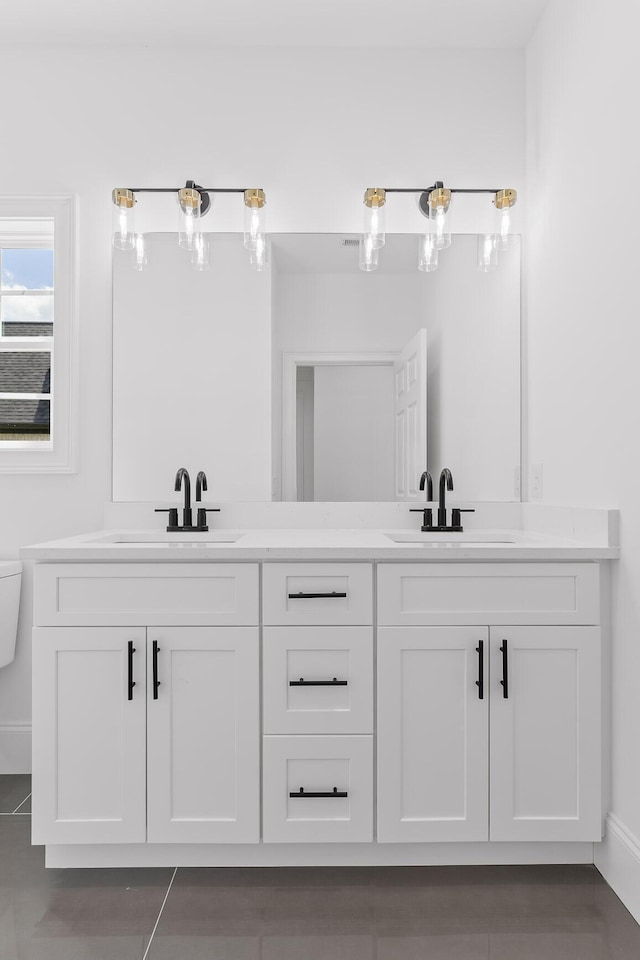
{"x":311,"y":854}
{"x":618,"y":860}
{"x":15,"y":748}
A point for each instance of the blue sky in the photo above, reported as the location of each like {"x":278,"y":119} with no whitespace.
{"x":28,"y":269}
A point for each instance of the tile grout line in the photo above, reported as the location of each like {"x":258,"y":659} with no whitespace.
{"x":22,"y":803}
{"x":155,"y":926}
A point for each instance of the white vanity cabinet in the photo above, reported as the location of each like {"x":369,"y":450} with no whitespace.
{"x":315,"y":711}
{"x":500,"y":712}
{"x":146,"y":733}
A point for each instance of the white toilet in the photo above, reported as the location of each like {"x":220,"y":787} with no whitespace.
{"x":10,"y":578}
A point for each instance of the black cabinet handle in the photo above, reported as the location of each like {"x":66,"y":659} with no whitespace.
{"x":505,"y":670}
{"x":311,"y":596}
{"x":308,"y":793}
{"x":318,"y":683}
{"x":480,"y":680}
{"x":130,"y":681}
{"x":154,"y":662}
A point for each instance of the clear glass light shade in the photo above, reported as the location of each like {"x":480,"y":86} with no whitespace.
{"x":504,"y":227}
{"x":139,"y":252}
{"x":124,"y":237}
{"x":254,"y":226}
{"x":441,"y":221}
{"x":427,"y":253}
{"x":188,"y":223}
{"x":200,"y":252}
{"x":374,"y":228}
{"x":487,"y":252}
{"x":368,"y":254}
{"x":258,"y":254}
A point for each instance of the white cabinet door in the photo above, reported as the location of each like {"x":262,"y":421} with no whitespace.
{"x":432,"y":733}
{"x":204,"y":735}
{"x":545,"y":733}
{"x":89,"y":735}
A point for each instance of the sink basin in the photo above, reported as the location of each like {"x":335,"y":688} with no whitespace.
{"x":478,"y":539}
{"x":210,"y":539}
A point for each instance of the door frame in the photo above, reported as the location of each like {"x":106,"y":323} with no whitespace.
{"x":290,"y":363}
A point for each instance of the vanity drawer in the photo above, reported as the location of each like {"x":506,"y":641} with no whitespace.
{"x":317,"y":593}
{"x":339,"y":769}
{"x":146,"y":594}
{"x":413,"y":594}
{"x":318,"y":679}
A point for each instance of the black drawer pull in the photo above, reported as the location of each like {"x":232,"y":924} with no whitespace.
{"x":505,"y":670}
{"x":308,"y":793}
{"x":130,"y":681}
{"x":314,"y":596}
{"x":156,"y":682}
{"x":318,"y":683}
{"x":480,"y":680}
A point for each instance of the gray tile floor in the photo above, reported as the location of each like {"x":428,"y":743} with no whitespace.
{"x":400,"y":913}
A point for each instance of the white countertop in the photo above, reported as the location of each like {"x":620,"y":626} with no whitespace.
{"x":315,"y":544}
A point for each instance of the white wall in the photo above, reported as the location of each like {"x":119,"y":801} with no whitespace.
{"x":87,"y":120}
{"x":353,"y":433}
{"x":583,"y":306}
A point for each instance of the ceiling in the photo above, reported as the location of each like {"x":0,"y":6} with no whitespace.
{"x":299,"y":23}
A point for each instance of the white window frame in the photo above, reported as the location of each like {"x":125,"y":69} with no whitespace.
{"x":59,"y":453}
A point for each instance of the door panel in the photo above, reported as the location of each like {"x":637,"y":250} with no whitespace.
{"x":545,"y":734}
{"x":410,"y":414}
{"x":88,"y":736}
{"x":432,"y":734}
{"x":203,"y":762}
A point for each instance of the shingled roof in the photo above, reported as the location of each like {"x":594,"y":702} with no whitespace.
{"x":24,"y":372}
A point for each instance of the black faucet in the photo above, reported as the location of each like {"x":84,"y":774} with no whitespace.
{"x":183,"y":479}
{"x":427,"y":512}
{"x":446,"y":483}
{"x":201,"y":484}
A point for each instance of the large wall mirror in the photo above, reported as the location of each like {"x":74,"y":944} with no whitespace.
{"x":312,"y":380}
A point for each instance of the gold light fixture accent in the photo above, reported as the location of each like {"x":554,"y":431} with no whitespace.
{"x":505,"y":198}
{"x":439,"y":199}
{"x":255,"y":198}
{"x":375,"y":197}
{"x":189,"y":199}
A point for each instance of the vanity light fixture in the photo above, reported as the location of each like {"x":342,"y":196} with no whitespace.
{"x":123,"y":219}
{"x":434,"y":203}
{"x":194,"y":202}
{"x":504,"y":201}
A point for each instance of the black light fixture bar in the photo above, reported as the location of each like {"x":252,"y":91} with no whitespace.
{"x":435,"y":186}
{"x":175,"y":189}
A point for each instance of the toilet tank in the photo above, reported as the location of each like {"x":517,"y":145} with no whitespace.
{"x":10,"y":579}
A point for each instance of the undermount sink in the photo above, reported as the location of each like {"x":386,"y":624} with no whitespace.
{"x":430,"y":539}
{"x":210,"y":539}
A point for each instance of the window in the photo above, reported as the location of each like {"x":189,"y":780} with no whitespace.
{"x":36,"y":335}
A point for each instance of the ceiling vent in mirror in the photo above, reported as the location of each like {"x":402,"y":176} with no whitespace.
{"x":194,"y":202}
{"x":434,"y":203}
{"x":349,"y":241}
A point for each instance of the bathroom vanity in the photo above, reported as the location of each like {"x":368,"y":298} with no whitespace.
{"x":317,"y":697}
